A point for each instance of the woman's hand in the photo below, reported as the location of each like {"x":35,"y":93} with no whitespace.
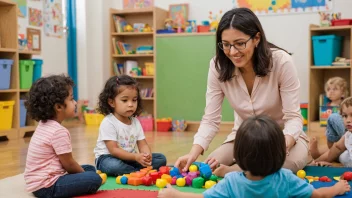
{"x":185,"y":161}
{"x":213,"y":163}
{"x":290,"y":142}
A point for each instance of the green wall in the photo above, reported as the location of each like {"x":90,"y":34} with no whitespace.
{"x":182,"y":64}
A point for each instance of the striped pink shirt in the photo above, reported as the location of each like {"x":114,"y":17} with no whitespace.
{"x":43,"y":167}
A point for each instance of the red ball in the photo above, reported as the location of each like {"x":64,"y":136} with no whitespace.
{"x":347,"y":176}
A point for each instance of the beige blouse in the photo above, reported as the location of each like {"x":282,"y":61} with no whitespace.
{"x":275,"y":95}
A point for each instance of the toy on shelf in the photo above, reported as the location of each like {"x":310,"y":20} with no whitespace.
{"x":324,"y":19}
{"x":169,"y":24}
{"x":142,"y":27}
{"x":145,"y":49}
{"x":339,"y":61}
{"x":304,"y":113}
{"x":179,"y":125}
{"x":214,"y":21}
{"x":22,"y":42}
{"x":191,"y":26}
{"x":128,"y":28}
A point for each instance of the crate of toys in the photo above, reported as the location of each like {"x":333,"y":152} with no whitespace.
{"x":163,"y":124}
{"x":325,"y":109}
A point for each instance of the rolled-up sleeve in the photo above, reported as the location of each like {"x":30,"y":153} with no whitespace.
{"x":209,"y":125}
{"x":289,"y":90}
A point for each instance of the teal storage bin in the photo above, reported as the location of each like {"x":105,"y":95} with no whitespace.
{"x":326,"y":48}
{"x":37,"y":69}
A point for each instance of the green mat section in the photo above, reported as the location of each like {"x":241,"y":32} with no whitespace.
{"x":111,"y":184}
{"x":330,"y":172}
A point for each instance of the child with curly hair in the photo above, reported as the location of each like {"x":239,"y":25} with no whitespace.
{"x":120,"y":132}
{"x":336,"y":91}
{"x":51,"y":170}
{"x":260,"y":151}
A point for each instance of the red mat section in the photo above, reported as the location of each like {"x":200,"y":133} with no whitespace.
{"x":123,"y":193}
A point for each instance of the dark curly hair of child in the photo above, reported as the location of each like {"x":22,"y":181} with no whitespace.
{"x":45,"y":93}
{"x":260,"y":146}
{"x":113,"y":87}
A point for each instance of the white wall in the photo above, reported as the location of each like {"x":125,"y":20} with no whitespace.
{"x":289,"y":31}
{"x":53,"y":52}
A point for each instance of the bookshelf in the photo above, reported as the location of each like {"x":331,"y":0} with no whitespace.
{"x":155,"y":18}
{"x":9,"y":50}
{"x":318,"y":75}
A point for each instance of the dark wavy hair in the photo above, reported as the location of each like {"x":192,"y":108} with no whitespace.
{"x":244,"y":20}
{"x":112,"y":88}
{"x":45,"y":93}
{"x":260,"y":146}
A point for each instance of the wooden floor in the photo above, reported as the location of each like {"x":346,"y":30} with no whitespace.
{"x":172,"y":144}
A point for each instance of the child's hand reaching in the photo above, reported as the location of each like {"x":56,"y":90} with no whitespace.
{"x":342,"y":187}
{"x":168,"y":192}
{"x":142,"y":159}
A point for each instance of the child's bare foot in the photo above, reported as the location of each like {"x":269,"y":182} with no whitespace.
{"x":313,"y":148}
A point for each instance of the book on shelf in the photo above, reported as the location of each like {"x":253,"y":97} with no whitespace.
{"x":120,"y":23}
{"x":147,"y":92}
{"x":120,"y":47}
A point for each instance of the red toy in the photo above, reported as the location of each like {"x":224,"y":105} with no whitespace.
{"x":325,"y":179}
{"x":347,"y":176}
{"x":164,"y":170}
{"x":147,"y":181}
{"x":154,"y":176}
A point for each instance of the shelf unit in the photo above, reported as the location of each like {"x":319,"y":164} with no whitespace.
{"x":318,"y":75}
{"x":9,"y":50}
{"x":155,"y":18}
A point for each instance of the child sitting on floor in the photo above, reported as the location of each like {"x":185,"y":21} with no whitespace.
{"x":341,"y":150}
{"x":51,"y":170}
{"x":120,"y":132}
{"x":336,"y":91}
{"x":260,"y":151}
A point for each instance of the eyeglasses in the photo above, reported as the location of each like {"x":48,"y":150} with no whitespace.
{"x":237,"y":46}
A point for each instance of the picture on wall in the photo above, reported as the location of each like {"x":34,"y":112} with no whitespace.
{"x":33,"y":39}
{"x":132,"y":4}
{"x":22,"y":8}
{"x":35,"y":17}
{"x":179,"y":14}
{"x":53,"y":18}
{"x":285,"y":6}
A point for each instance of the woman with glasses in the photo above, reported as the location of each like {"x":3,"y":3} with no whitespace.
{"x":256,"y":77}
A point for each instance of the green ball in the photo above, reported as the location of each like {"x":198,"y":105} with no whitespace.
{"x":213,"y":178}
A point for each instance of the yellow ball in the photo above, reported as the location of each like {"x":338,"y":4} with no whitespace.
{"x":181,"y":182}
{"x":161,"y":183}
{"x":103,"y":177}
{"x":118,"y":179}
{"x":98,"y":172}
{"x":301,"y":174}
{"x":193,"y":168}
{"x":209,"y":184}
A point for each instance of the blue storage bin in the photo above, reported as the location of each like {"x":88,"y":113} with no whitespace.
{"x":23,"y":113}
{"x":326,"y":48}
{"x":37,"y":69}
{"x":5,"y":73}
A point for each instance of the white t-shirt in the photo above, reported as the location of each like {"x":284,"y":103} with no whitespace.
{"x":125,"y":135}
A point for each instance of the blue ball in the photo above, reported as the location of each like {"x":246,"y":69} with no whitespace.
{"x":124,"y":180}
{"x":174,"y":171}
